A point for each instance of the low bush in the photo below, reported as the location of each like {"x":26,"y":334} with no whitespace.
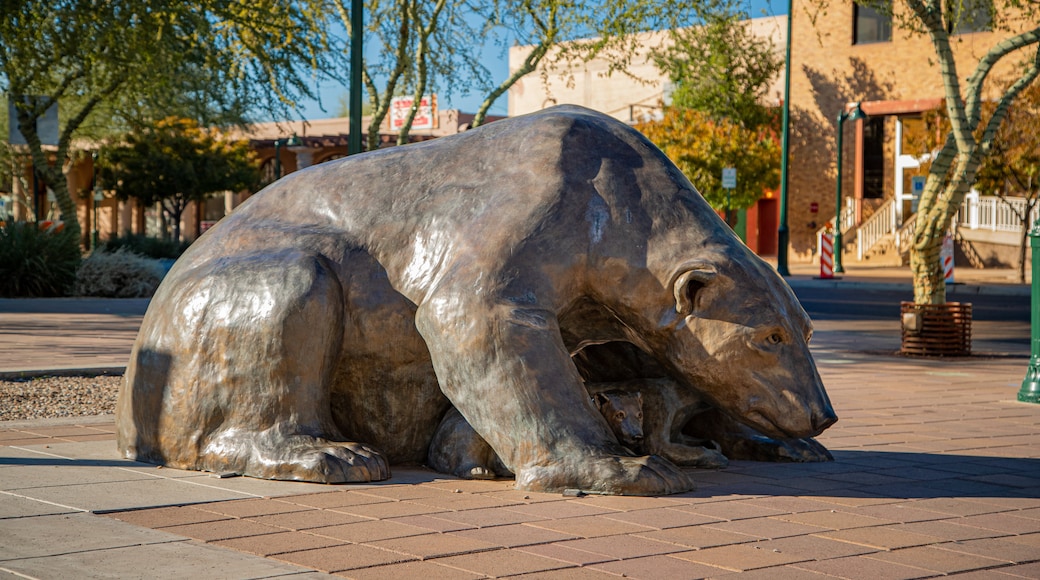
{"x":118,"y":274}
{"x":146,"y":246}
{"x":35,"y":262}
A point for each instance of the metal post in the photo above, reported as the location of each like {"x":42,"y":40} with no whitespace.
{"x":357,"y":25}
{"x":838,"y":268}
{"x":278,"y":158}
{"x":854,"y":115}
{"x":1030,"y":391}
{"x":783,"y":235}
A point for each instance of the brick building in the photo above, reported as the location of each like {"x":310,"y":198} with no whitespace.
{"x":849,"y":55}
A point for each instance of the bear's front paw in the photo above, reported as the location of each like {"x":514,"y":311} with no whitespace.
{"x":318,"y":460}
{"x":614,"y":475}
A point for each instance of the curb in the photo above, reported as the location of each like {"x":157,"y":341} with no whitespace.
{"x":62,"y":372}
{"x":951,"y":289}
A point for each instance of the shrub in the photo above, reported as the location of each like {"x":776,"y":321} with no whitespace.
{"x":36,"y":263}
{"x":118,"y":274}
{"x":146,"y":246}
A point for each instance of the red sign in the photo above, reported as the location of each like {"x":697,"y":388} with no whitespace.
{"x":814,"y":207}
{"x":425,"y":117}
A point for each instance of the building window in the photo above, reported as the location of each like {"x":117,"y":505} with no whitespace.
{"x":267,"y":175}
{"x":870,"y":25}
{"x":874,"y":158}
{"x":967,"y":16}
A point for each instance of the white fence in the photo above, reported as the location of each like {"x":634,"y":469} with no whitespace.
{"x":990,"y":212}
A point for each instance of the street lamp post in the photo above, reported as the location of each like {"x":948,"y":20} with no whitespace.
{"x":357,"y":24}
{"x":293,"y":141}
{"x":1030,"y":391}
{"x":854,"y":115}
{"x":783,"y":234}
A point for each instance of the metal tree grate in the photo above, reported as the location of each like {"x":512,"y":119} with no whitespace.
{"x":936,"y":329}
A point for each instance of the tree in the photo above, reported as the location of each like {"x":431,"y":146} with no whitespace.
{"x":702,"y":146}
{"x":174,"y":163}
{"x":1013,"y":164}
{"x":956,"y":164}
{"x":722,"y":68}
{"x":566,"y":34}
{"x":88,"y":55}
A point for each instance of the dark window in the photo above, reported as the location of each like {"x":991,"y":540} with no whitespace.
{"x":966,"y":16}
{"x":874,"y":158}
{"x":870,"y":25}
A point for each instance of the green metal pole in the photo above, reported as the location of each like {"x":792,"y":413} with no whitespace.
{"x":357,"y":25}
{"x":783,"y":234}
{"x":838,"y":269}
{"x":1030,"y":391}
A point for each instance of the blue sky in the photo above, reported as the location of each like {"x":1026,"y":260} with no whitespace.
{"x":496,"y":61}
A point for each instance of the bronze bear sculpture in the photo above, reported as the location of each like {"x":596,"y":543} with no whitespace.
{"x":321,"y":331}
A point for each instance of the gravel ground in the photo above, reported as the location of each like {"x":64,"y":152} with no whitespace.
{"x":53,"y":397}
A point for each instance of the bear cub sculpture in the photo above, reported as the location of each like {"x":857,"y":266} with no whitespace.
{"x":322,"y":330}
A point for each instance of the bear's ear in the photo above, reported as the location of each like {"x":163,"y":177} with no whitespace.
{"x":689,"y":284}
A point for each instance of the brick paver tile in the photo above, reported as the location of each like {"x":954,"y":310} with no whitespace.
{"x":515,"y":535}
{"x":347,"y":557}
{"x":958,"y":507}
{"x":932,"y":558}
{"x":25,"y":441}
{"x":475,"y":485}
{"x":815,"y":547}
{"x":834,"y":519}
{"x":525,"y":497}
{"x":1005,"y":522}
{"x":732,"y":510}
{"x":661,"y":519}
{"x":698,"y":537}
{"x":370,"y":531}
{"x":503,"y":563}
{"x":884,"y":537}
{"x":628,"y":503}
{"x":741,"y":557}
{"x":167,"y":516}
{"x":624,"y":546}
{"x":1006,"y":549}
{"x":569,"y":574}
{"x":278,"y":543}
{"x":949,"y":530}
{"x":307,"y":519}
{"x":864,"y":568}
{"x":434,"y":523}
{"x":797,"y":505}
{"x":566,"y":554}
{"x":333,"y":499}
{"x":591,"y":527}
{"x":483,"y":518}
{"x":392,"y":509}
{"x":424,"y":570}
{"x":429,"y":546}
{"x":62,"y":431}
{"x":899,"y":512}
{"x":658,"y":567}
{"x":222,"y":530}
{"x":1024,"y":570}
{"x":466,"y":501}
{"x":766,"y":528}
{"x":404,"y":492}
{"x":561,"y":510}
{"x":244,"y":508}
{"x":789,"y":572}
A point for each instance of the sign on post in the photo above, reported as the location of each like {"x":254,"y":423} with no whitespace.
{"x":729,"y":177}
{"x":916,"y":189}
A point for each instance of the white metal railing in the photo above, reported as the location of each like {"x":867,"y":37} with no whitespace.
{"x":994,"y":213}
{"x":905,"y":235}
{"x":848,"y":224}
{"x":870,"y":232}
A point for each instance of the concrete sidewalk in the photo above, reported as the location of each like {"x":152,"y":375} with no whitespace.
{"x":936,"y":472}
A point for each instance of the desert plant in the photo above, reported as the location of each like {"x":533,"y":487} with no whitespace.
{"x":35,"y":262}
{"x":118,"y":274}
{"x":146,"y":246}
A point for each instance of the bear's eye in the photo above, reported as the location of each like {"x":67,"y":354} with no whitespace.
{"x":620,"y":415}
{"x":775,"y":339}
